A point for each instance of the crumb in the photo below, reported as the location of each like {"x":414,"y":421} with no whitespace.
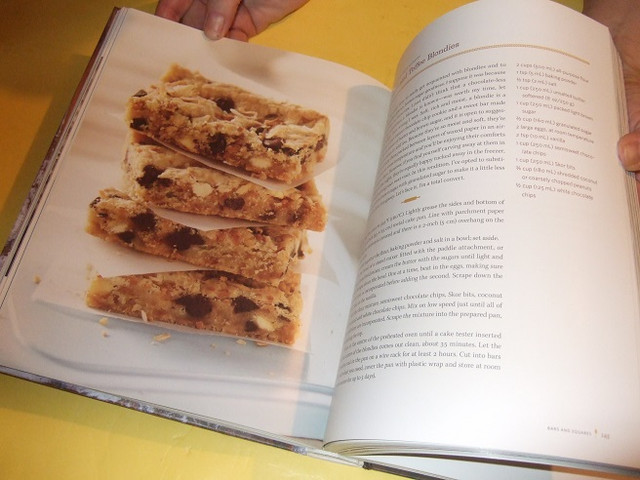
{"x":105,"y":334}
{"x":90,"y":271}
{"x":227,"y":353}
{"x":104,"y":321}
{"x":37,"y":279}
{"x":143,"y":315}
{"x":213,"y":345}
{"x":241,"y":342}
{"x":162,"y":337}
{"x":261,"y":344}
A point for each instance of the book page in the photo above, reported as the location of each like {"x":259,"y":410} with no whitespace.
{"x":496,"y":307}
{"x":282,"y":389}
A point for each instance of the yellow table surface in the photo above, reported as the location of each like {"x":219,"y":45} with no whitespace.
{"x":44,"y":48}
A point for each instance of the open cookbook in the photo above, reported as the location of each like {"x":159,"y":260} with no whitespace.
{"x":274,"y":246}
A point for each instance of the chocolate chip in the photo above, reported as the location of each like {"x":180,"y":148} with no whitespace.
{"x":243,"y":304}
{"x":144,"y":222}
{"x":225,"y":103}
{"x":320,"y":144}
{"x":150,"y":176}
{"x":195,"y":305}
{"x":274,"y":143}
{"x":138,"y":123}
{"x":218,"y":143}
{"x":234,"y":203}
{"x":288,"y":151}
{"x":183,"y":238}
{"x":212,"y":275}
{"x":283,"y":306}
{"x":250,"y":326}
{"x":127,"y":236}
{"x":277,"y":145}
{"x":140,"y":93}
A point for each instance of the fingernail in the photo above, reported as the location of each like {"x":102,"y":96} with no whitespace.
{"x":213,"y":26}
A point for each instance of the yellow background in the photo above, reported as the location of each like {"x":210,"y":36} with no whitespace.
{"x":44,"y":48}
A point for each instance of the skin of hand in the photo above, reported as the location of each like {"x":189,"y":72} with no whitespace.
{"x":623,"y":19}
{"x":237,"y":19}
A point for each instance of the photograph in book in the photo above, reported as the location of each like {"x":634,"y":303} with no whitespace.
{"x":250,"y":288}
{"x":445,"y":269}
{"x":206,"y":224}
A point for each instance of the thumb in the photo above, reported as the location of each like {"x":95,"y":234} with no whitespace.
{"x":219,"y":17}
{"x":629,"y":144}
{"x":629,"y":151}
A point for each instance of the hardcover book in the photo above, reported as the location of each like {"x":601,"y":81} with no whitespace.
{"x":283,"y":249}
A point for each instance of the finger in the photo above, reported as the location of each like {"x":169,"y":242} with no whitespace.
{"x":242,"y":27}
{"x":238,"y":34}
{"x":173,"y":9}
{"x":254,"y":16}
{"x":220,"y":14}
{"x":629,"y":151}
{"x":195,"y":15}
{"x":629,"y":144}
{"x":262,"y":14}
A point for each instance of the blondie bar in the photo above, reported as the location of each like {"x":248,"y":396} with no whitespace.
{"x":222,"y":122}
{"x":159,"y":176}
{"x":205,"y":300}
{"x":262,"y":253}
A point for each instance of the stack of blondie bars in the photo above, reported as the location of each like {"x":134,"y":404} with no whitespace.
{"x":202,"y":147}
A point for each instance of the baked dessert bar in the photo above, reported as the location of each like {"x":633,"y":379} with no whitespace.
{"x":262,"y":253}
{"x":159,"y":176}
{"x":267,"y":139}
{"x":206,"y":300}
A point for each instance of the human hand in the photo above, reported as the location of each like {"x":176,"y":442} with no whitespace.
{"x":237,"y":19}
{"x":623,"y":19}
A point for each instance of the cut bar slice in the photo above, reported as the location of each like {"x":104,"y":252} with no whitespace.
{"x":205,"y":300}
{"x":159,"y":176}
{"x":262,"y":253}
{"x":267,"y":139}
